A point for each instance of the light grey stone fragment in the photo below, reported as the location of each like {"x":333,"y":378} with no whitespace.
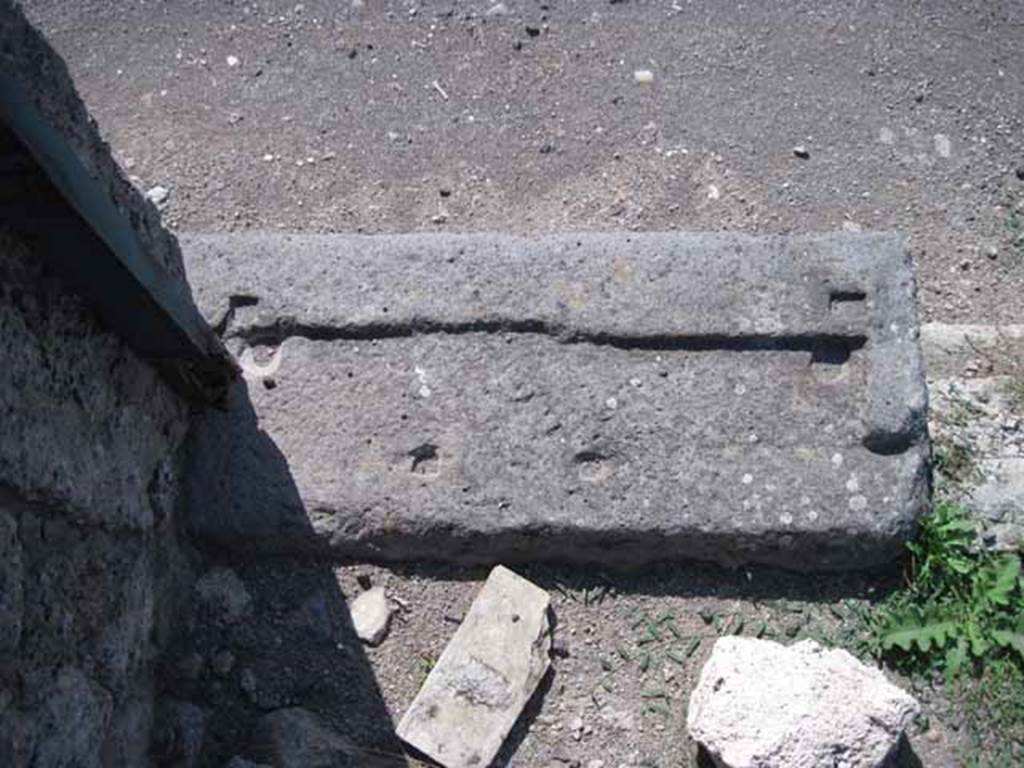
{"x":998,"y":500}
{"x":613,"y":398}
{"x":371,"y":615}
{"x":486,"y":675}
{"x":1000,"y":496}
{"x":759,"y":704}
{"x":157,"y":195}
{"x":296,"y":738}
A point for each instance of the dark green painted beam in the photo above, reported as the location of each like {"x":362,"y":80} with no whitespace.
{"x":77,"y":228}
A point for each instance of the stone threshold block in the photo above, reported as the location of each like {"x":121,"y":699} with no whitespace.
{"x":614,"y":398}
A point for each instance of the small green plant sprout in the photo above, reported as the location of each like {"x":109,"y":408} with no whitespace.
{"x":955,"y":461}
{"x":1015,"y":393}
{"x":425,"y":665}
{"x":964,"y":605}
{"x":961,"y":410}
{"x":1015,"y":225}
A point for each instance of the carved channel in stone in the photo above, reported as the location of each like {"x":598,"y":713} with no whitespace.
{"x":275,"y":334}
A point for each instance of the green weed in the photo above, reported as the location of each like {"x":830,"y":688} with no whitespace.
{"x":1015,"y":224}
{"x":964,"y":606}
{"x":961,"y":615}
{"x":1015,"y":394}
{"x":992,"y":705}
{"x":961,"y":411}
{"x":425,"y":665}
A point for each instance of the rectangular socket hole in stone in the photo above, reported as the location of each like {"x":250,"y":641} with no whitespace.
{"x":830,"y":352}
{"x":845,"y":297}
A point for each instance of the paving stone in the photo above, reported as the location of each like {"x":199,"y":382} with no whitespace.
{"x":486,"y":675}
{"x":615,"y":398}
{"x":998,"y":498}
{"x":953,"y":350}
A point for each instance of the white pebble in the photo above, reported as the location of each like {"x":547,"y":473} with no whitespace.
{"x":157,"y":195}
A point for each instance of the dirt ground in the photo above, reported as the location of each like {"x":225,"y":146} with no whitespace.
{"x":617,"y":691}
{"x":615,"y":698}
{"x":534,"y":117}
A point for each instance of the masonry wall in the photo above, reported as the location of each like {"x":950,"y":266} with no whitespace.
{"x":90,"y":466}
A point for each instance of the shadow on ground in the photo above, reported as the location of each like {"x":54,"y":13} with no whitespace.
{"x":292,"y":643}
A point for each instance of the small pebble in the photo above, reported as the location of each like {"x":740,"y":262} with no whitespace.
{"x":801,"y":151}
{"x":232,"y":61}
{"x":157,"y":195}
{"x":643,"y":76}
{"x":371,"y":615}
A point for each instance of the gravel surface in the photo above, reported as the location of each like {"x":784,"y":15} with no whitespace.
{"x":544,"y":116}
